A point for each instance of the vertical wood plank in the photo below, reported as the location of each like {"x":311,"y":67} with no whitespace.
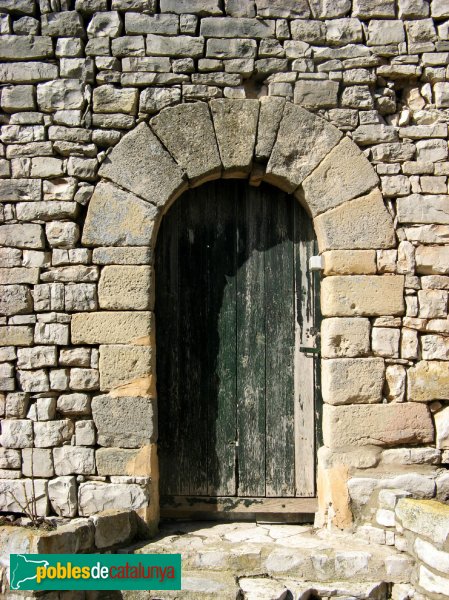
{"x":280,"y":342}
{"x":222,"y":291}
{"x":304,"y":361}
{"x":251,"y":234}
{"x":167,"y":335}
{"x":193,"y":336}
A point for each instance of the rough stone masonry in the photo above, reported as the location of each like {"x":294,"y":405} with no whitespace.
{"x":76,"y":327}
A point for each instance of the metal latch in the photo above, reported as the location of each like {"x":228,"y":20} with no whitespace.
{"x":310,"y":350}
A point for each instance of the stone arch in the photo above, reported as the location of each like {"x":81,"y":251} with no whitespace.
{"x":185,"y":145}
{"x":271,"y":140}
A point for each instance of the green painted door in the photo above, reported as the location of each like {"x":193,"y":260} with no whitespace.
{"x":235,"y":308}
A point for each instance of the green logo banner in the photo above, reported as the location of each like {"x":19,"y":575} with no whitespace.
{"x":95,"y":572}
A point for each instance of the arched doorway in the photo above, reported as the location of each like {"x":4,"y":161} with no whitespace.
{"x":237,"y":316}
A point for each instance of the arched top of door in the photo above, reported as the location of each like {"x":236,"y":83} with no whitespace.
{"x":268,"y":140}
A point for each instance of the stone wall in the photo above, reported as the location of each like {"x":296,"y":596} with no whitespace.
{"x":76,"y":296}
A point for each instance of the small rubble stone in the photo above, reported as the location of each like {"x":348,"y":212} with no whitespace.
{"x":49,"y":434}
{"x":74,"y":460}
{"x":16,"y":433}
{"x":37,"y":462}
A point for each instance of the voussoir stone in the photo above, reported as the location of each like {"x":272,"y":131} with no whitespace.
{"x":362,"y":295}
{"x":118,"y":218}
{"x":121,"y":364}
{"x":359,"y":224}
{"x":428,"y":381}
{"x":302,"y":143}
{"x":352,"y":380}
{"x":117,"y":327}
{"x":141,"y":164}
{"x":377,"y":424}
{"x":188,"y":134}
{"x":343,"y":175}
{"x":126,"y":287}
{"x":235,"y":123}
{"x":125,"y":421}
{"x":271,"y":111}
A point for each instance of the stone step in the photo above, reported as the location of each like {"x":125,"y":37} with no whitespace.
{"x":304,"y":555}
{"x":212,"y":585}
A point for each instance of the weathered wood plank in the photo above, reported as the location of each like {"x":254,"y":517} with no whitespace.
{"x":221,"y":338}
{"x":167,"y":335}
{"x":304,"y":361}
{"x":171,"y":505}
{"x":251,"y":234}
{"x":280,"y":341}
{"x":194,"y":339}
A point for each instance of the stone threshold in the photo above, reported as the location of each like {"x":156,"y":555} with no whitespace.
{"x":262,"y":561}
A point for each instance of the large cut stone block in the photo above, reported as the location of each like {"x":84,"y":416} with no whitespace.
{"x":121,"y":365}
{"x":345,"y":337}
{"x":125,"y":422}
{"x":316,"y":94}
{"x":114,"y":527}
{"x":352,"y":380}
{"x":16,"y":335}
{"x":362,"y":295}
{"x":187,"y":132}
{"x":119,"y":327}
{"x":196,"y":7}
{"x":235,"y":123}
{"x":116,"y":461}
{"x":361,"y":223}
{"x":271,"y":111}
{"x":16,"y":47}
{"x":27,"y":72}
{"x":95,"y":496}
{"x":418,"y":208}
{"x":224,"y":27}
{"x":74,"y":460}
{"x":126,"y":287}
{"x":428,"y":381}
{"x":377,"y":425}
{"x":63,"y":496}
{"x":349,"y":262}
{"x":427,"y":518}
{"x":141,"y":164}
{"x":118,"y":218}
{"x":27,"y":236}
{"x":302,"y":143}
{"x":15,"y":492}
{"x":343,"y":175}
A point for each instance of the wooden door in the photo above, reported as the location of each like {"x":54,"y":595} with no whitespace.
{"x":236,"y":321}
